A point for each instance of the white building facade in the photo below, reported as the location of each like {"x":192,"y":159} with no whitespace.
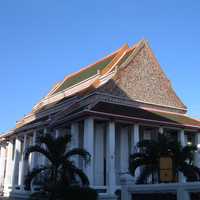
{"x":107,"y":107}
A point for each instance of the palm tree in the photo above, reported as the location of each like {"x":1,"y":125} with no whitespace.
{"x":149,"y":159}
{"x":60,"y":173}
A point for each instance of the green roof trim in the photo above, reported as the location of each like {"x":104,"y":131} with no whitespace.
{"x":181,"y":119}
{"x":85,"y":74}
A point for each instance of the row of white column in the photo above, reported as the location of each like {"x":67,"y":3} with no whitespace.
{"x":15,"y":168}
{"x":2,"y":164}
{"x":88,"y":144}
{"x":15,"y":172}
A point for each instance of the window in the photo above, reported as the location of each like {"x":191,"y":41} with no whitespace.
{"x":148,"y":133}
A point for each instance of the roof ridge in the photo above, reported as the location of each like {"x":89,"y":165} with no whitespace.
{"x":136,"y":49}
{"x":116,"y":59}
{"x":130,"y":49}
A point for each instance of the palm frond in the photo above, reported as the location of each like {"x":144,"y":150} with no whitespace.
{"x":84,"y":179}
{"x":61,"y":143}
{"x":32,"y":174}
{"x":49,"y":141}
{"x":187,"y":152}
{"x":191,"y":172}
{"x":138,"y":162}
{"x":69,"y":172}
{"x":146,"y":143}
{"x":149,"y":147}
{"x":62,"y":171}
{"x":38,"y":149}
{"x":174,"y":146}
{"x":80,"y":152}
{"x":137,"y":155}
{"x":152,"y":150}
{"x":145,"y":173}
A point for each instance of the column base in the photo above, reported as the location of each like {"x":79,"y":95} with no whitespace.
{"x":7,"y":190}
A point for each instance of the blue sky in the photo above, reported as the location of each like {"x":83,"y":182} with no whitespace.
{"x":41,"y":41}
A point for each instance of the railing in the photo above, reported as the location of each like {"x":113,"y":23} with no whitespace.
{"x":100,"y":189}
{"x":182,"y":191}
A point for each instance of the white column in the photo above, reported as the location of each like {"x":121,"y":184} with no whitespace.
{"x":75,"y":139}
{"x":33,"y":156}
{"x":8,"y":175}
{"x":126,"y":180}
{"x":45,"y":131}
{"x":161,"y":130}
{"x":182,"y":138}
{"x":57,"y":133}
{"x":111,"y":171}
{"x":99,"y":154}
{"x":2,"y":164}
{"x":24,"y":165}
{"x":124,"y":150}
{"x":43,"y":158}
{"x":197,"y":154}
{"x":15,"y":173}
{"x":88,"y":142}
{"x":183,"y":142}
{"x":135,"y":138}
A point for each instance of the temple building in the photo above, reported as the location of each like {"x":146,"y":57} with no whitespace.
{"x":107,"y":107}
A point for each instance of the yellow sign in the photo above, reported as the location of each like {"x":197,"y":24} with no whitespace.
{"x":166,"y":169}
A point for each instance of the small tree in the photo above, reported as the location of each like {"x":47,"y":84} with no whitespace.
{"x":60,"y":174}
{"x":152,"y":150}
